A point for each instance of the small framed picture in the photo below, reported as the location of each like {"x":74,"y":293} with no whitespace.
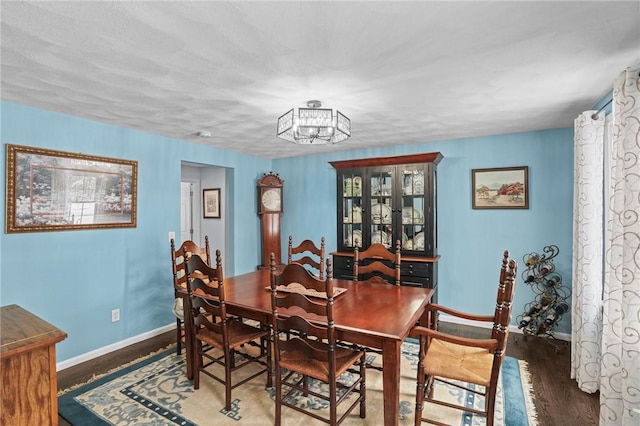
{"x":211,"y":203}
{"x":502,"y":188}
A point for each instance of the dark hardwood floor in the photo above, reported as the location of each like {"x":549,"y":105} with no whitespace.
{"x":557,"y":398}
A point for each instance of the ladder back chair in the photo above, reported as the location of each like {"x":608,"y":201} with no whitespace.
{"x":180,"y":281}
{"x":308,"y":254}
{"x":313,"y":353}
{"x":217,"y":339}
{"x":371,"y":262}
{"x":460,"y":361}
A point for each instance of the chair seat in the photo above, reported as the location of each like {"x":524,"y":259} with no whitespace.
{"x":457,"y":362}
{"x":297,"y":360}
{"x":239,"y":334}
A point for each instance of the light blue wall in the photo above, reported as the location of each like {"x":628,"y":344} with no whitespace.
{"x":471,"y":242}
{"x":74,"y":279}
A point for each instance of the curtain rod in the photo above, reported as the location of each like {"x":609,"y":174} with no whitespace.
{"x":595,"y":114}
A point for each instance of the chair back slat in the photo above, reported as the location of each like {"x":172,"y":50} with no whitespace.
{"x":302,"y":325}
{"x":311,"y":255}
{"x":302,"y":345}
{"x":303,"y":302}
{"x":204,"y":310}
{"x":370,"y":261}
{"x":296,"y":273}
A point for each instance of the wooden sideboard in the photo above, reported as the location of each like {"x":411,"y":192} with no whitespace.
{"x":29,"y":392}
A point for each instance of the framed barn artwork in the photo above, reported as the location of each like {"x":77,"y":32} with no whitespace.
{"x":500,"y":188}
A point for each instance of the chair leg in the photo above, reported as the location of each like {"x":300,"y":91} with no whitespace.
{"x":278,"y":396}
{"x":228,"y":365}
{"x":197,"y":362}
{"x":333,"y":402}
{"x":430,"y":388}
{"x":490,"y":403}
{"x":363,"y":388}
{"x":305,"y":385}
{"x":178,"y":336}
{"x":419,"y":397}
{"x":267,"y":343}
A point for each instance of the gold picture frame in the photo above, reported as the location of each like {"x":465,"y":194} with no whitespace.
{"x":500,"y":188}
{"x":50,"y":190}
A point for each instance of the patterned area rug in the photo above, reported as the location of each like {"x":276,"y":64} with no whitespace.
{"x":155,"y":391}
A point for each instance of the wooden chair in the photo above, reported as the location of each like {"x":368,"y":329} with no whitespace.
{"x":452,"y":359}
{"x":216,"y":337}
{"x":180,"y":281}
{"x":316,"y":262}
{"x":313,"y":352}
{"x":370,"y":262}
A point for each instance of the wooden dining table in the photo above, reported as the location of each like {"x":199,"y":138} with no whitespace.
{"x":369,"y":314}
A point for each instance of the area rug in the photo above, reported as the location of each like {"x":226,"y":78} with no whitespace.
{"x":155,"y":391}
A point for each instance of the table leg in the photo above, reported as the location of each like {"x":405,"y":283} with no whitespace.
{"x":391,"y":380}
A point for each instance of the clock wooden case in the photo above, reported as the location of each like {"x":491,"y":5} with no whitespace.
{"x":270,"y":209}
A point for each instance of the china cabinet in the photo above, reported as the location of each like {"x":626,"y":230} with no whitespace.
{"x":381,"y":200}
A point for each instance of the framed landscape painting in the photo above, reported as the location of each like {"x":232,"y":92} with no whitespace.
{"x":501,"y":188}
{"x":49,"y":190}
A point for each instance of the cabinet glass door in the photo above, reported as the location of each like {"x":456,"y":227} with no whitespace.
{"x":413,"y":208}
{"x":352,"y":195}
{"x":381,"y":210}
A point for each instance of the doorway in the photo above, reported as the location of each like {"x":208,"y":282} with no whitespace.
{"x":189,"y":228}
{"x":194,"y":226}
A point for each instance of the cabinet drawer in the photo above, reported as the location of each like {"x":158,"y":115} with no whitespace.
{"x":342,"y":262}
{"x":343,"y":267}
{"x":415,"y":281}
{"x":343,"y":274}
{"x":416,"y":269}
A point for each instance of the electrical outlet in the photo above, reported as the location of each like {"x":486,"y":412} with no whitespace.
{"x":172,"y":236}
{"x":115,"y":315}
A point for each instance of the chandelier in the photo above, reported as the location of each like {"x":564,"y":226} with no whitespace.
{"x":314,"y":125}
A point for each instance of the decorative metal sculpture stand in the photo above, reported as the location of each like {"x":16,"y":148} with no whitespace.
{"x":542,"y":315}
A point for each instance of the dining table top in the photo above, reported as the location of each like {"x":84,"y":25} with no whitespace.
{"x":383,"y":310}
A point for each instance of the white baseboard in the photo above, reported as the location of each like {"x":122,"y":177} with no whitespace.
{"x":113,"y":347}
{"x":512,"y":328}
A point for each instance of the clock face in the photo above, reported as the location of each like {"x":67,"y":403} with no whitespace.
{"x":272,"y":200}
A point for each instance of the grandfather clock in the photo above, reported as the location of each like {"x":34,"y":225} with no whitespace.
{"x":270,"y":210}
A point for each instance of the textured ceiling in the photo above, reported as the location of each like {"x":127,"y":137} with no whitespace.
{"x":404,"y":72}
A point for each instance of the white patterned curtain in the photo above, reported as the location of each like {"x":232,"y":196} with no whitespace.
{"x":605,"y":329}
{"x":620,"y":365}
{"x":587,"y":277}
